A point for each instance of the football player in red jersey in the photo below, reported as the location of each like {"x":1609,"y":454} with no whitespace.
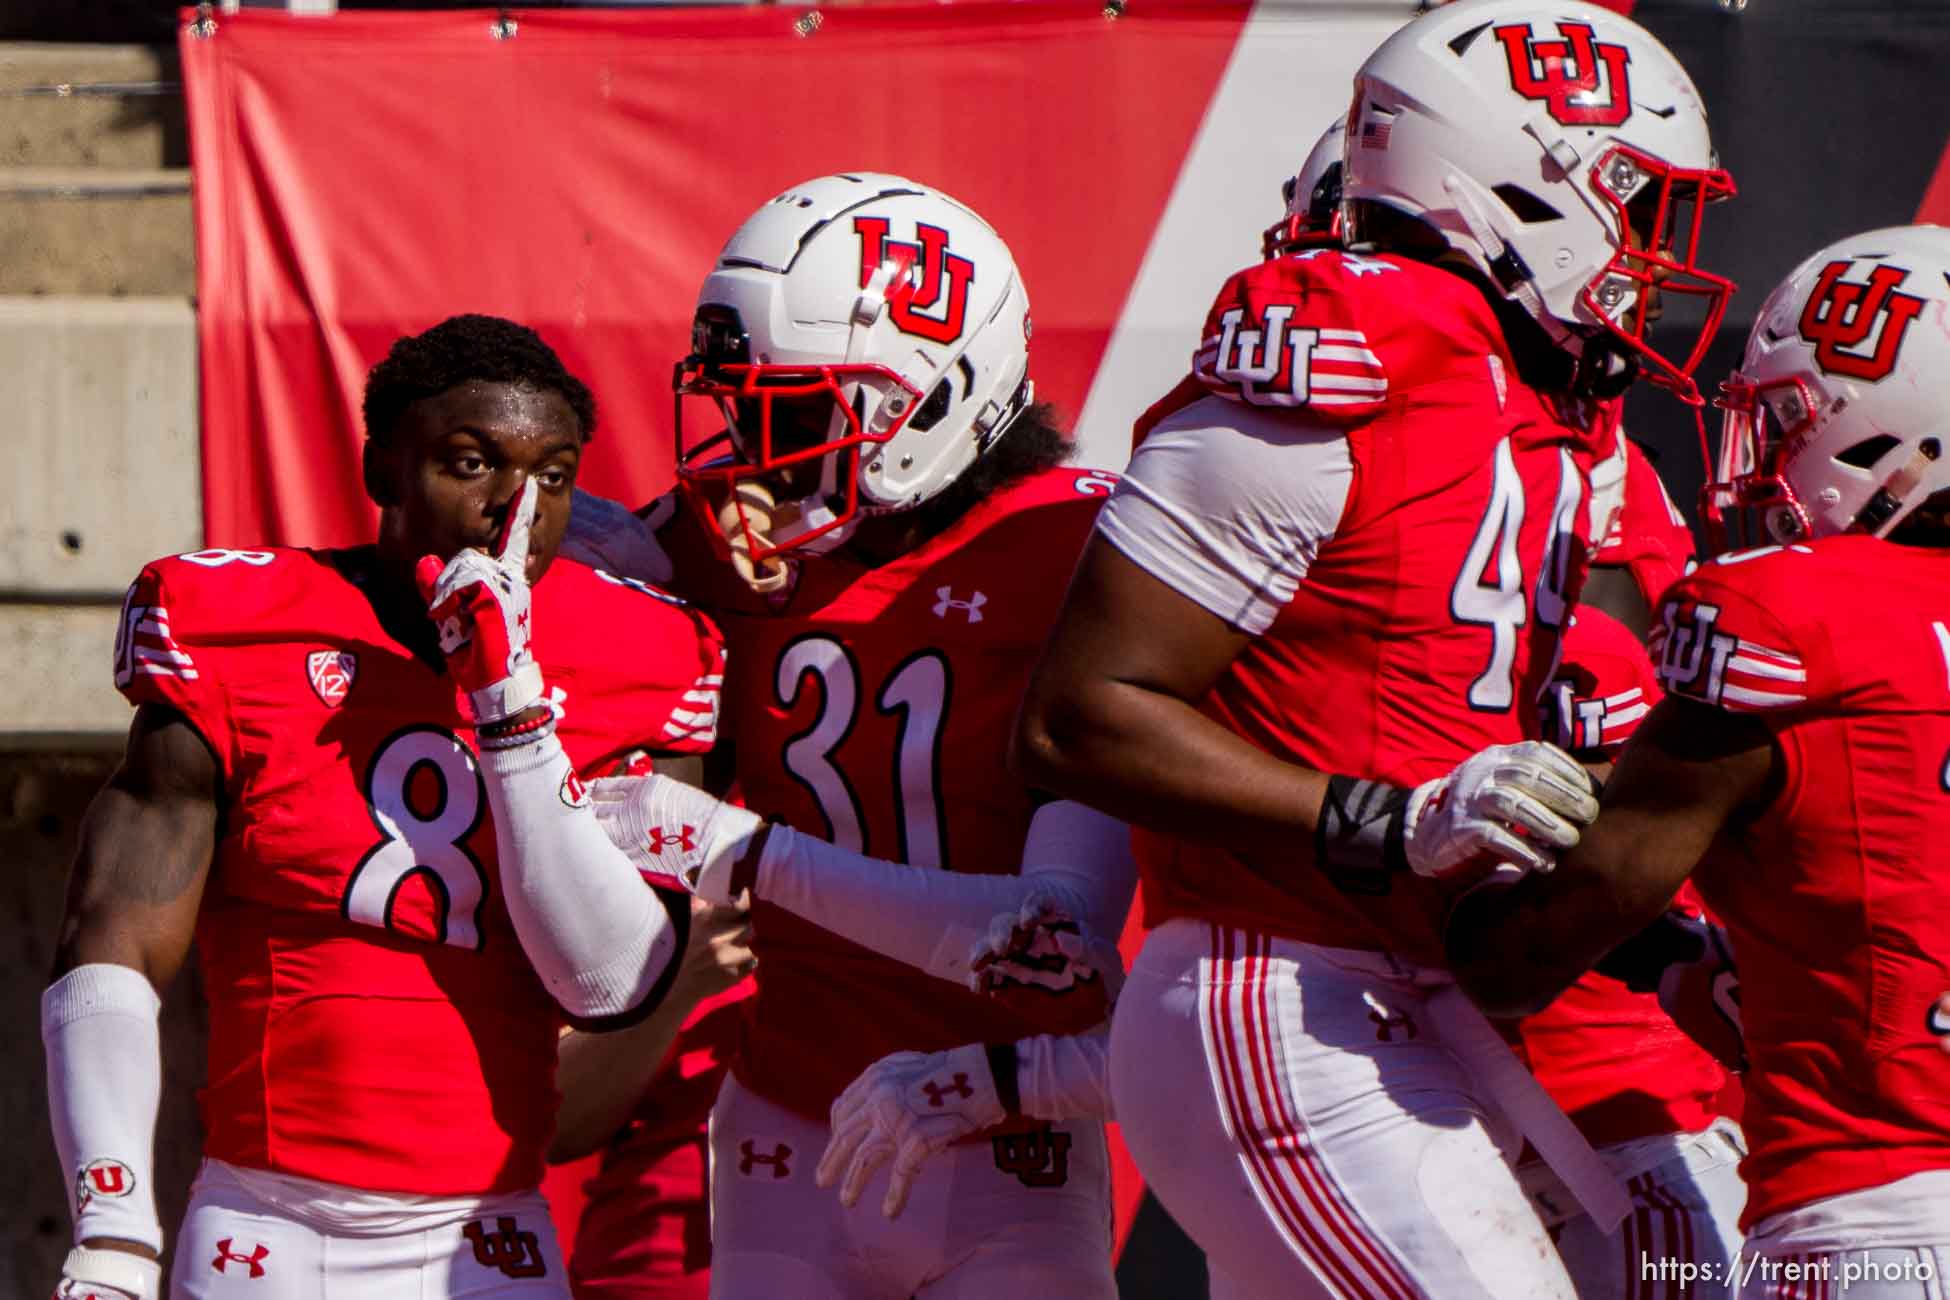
{"x":884,"y":532}
{"x":1795,"y":772}
{"x":373,"y":822}
{"x":1332,"y":571}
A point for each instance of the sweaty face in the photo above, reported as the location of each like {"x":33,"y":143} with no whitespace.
{"x":459,"y":458}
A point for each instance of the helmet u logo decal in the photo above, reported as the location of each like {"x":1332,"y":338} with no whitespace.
{"x":1842,"y":314}
{"x":1564,"y":74}
{"x":915,"y":303}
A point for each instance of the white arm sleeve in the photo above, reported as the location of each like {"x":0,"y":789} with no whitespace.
{"x":599,"y":937}
{"x":1228,"y":505}
{"x":930,"y":919}
{"x":1065,"y":1076}
{"x":104,"y":1084}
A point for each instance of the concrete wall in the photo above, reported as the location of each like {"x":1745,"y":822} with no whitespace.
{"x":104,"y":476}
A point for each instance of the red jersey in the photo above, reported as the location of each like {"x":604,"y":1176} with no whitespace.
{"x":373,"y":1020}
{"x":1415,"y":611}
{"x":1649,"y":536}
{"x":874,"y":708}
{"x":1611,"y":1058}
{"x":1833,"y":897}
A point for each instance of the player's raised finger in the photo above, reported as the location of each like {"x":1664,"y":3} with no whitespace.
{"x":513,"y":550}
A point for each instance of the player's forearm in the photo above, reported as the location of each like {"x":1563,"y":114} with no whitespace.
{"x":104,"y":1087}
{"x":931,"y":919}
{"x":601,"y":940}
{"x":1155,"y":761}
{"x":1514,"y":950}
{"x":602,"y":1077}
{"x":925,"y":918}
{"x":1065,"y":1076}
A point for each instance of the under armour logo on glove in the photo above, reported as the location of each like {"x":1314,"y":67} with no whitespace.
{"x":881,"y":1117}
{"x":676,"y":834}
{"x":662,"y":841}
{"x":749,"y":1159}
{"x":253,"y":1261}
{"x":957,"y":1086}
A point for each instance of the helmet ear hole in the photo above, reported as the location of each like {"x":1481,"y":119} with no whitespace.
{"x":1527,"y":207}
{"x":1868,"y":451}
{"x":934,"y":409}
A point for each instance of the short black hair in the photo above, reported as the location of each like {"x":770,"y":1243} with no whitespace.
{"x":461,"y":348}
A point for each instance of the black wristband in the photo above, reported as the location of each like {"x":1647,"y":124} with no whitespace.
{"x":1359,"y":840}
{"x":1002,"y":1064}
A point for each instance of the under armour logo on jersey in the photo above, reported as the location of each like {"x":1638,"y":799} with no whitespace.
{"x":253,"y":1261}
{"x":955,"y":1087}
{"x":508,"y":1249}
{"x":1565,"y":74}
{"x":749,"y":1159}
{"x":683,"y":838}
{"x":1040,"y":1158}
{"x":929,"y":293}
{"x":330,"y":673}
{"x":1841,"y":315}
{"x":103,"y":1177}
{"x":1387,"y":1020}
{"x":946,"y":601}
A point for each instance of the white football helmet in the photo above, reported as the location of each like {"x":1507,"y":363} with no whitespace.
{"x":1838,"y":418}
{"x":866,"y":339}
{"x":1544,"y":139}
{"x":1313,"y":199}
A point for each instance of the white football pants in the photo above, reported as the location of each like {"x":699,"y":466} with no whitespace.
{"x":1296,"y":1112}
{"x":972,"y":1229}
{"x":252,"y":1235}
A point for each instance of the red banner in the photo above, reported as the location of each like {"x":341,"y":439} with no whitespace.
{"x":363,"y":176}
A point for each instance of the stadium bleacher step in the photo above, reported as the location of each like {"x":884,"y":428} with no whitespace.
{"x":94,"y":179}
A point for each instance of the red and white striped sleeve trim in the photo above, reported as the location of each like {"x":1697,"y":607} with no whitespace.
{"x":1341,"y":370}
{"x":1619,"y":716}
{"x":152,"y":651}
{"x":1761,"y":677}
{"x":694,"y":722}
{"x":1345,"y":371}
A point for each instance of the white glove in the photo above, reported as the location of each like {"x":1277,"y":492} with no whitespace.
{"x":675,"y":833}
{"x":480,"y":605}
{"x":95,"y":1274}
{"x":1521,"y":804}
{"x":1043,"y":945}
{"x":906,"y":1106}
